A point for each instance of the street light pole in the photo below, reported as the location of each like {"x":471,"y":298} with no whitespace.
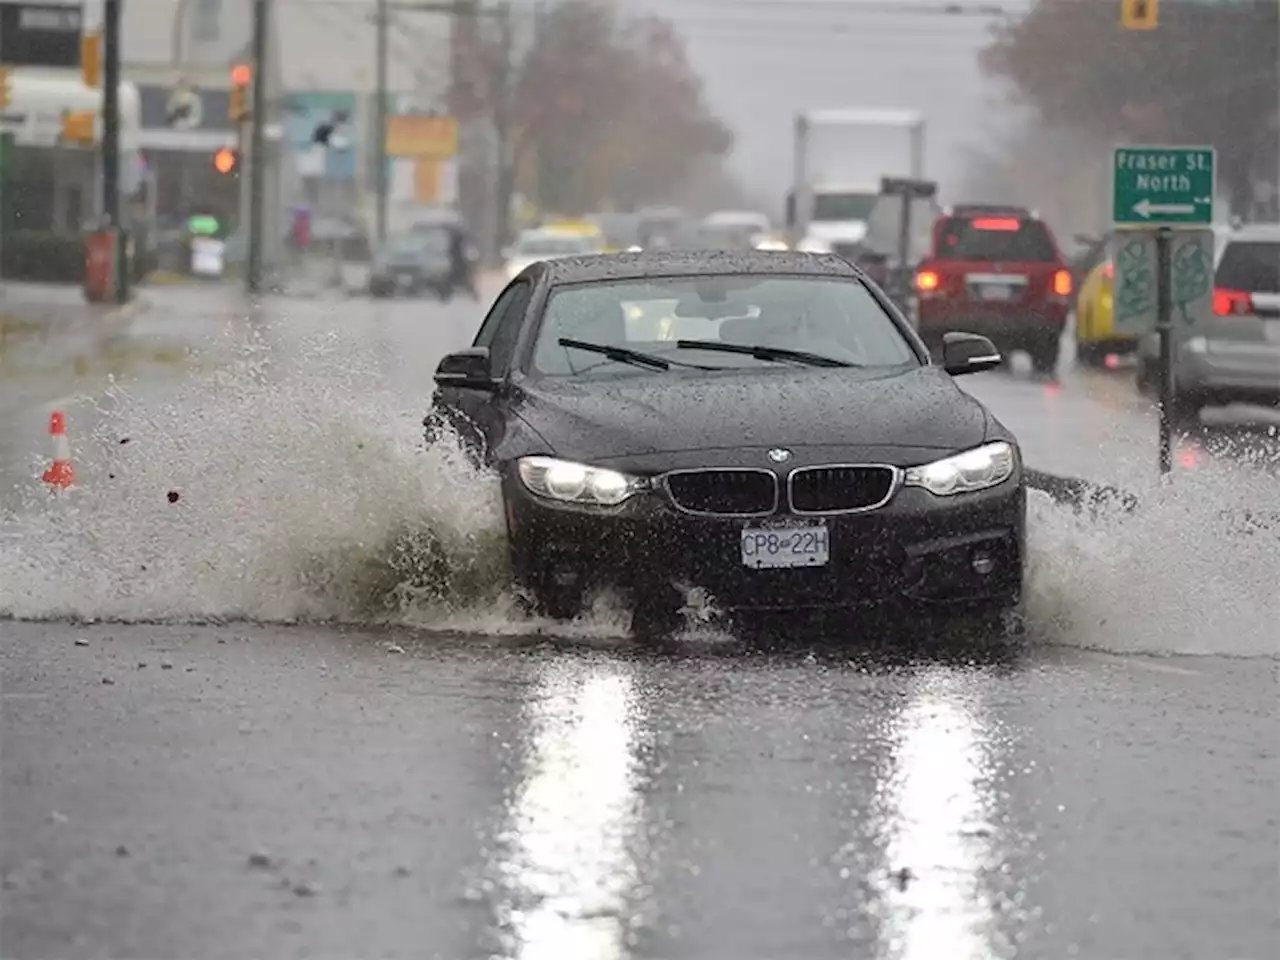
{"x":111,"y":144}
{"x":257,"y":161}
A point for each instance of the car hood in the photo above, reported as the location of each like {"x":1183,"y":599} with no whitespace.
{"x":919,"y":410}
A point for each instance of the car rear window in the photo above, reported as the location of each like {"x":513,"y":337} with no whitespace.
{"x":995,"y":238}
{"x":1252,"y":265}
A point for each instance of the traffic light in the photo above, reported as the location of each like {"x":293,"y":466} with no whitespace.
{"x":4,"y":86}
{"x":224,"y":161}
{"x":1139,"y":14}
{"x":91,"y":59}
{"x":241,"y":78}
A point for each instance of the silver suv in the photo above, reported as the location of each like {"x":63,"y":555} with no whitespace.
{"x":1234,"y":356}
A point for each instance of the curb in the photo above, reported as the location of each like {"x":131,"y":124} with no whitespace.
{"x":85,"y":327}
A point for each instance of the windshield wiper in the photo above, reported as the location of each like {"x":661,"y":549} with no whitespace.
{"x":761,"y":352}
{"x":620,"y":354}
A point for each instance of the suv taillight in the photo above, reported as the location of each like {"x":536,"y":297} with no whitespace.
{"x":1228,"y":303}
{"x":928,"y":281}
{"x":1062,"y":283}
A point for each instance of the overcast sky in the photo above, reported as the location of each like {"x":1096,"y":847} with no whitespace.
{"x":764,"y":59}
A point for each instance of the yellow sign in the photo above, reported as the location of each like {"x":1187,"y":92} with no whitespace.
{"x":426,"y":180}
{"x":1139,"y":14}
{"x":79,"y":127}
{"x":422,"y":137}
{"x":91,"y":59}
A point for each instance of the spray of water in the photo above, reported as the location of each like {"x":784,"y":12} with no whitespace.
{"x":251,"y":492}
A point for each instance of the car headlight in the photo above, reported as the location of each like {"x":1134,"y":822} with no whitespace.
{"x":571,"y":482}
{"x":977,"y":469}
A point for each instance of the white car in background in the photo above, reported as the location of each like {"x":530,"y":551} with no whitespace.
{"x":535,"y":245}
{"x":753,"y":224}
{"x":750,"y":220}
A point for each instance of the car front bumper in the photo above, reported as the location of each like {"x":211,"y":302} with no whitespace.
{"x":918,"y":550}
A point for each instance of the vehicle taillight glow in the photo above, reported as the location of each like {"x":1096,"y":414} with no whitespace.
{"x":927,"y":281}
{"x":997,"y":223}
{"x":1228,"y":303}
{"x":1062,"y":283}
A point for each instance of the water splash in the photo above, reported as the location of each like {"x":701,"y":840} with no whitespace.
{"x":253,"y":492}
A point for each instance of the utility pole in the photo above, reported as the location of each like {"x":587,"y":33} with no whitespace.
{"x":111,"y":144}
{"x":380,"y":125}
{"x":504,"y":173}
{"x":257,"y":161}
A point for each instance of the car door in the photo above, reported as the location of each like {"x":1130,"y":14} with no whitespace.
{"x":479,"y":416}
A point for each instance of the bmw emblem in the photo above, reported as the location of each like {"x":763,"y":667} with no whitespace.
{"x":779,"y":455}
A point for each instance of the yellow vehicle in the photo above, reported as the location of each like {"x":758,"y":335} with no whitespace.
{"x":573,"y":228}
{"x":1096,"y":336}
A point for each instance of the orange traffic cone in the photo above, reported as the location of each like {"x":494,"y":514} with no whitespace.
{"x":61,"y":473}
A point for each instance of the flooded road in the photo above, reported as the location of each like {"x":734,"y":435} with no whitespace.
{"x":442,"y":776}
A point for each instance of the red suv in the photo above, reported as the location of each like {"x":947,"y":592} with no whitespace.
{"x":995,"y":271}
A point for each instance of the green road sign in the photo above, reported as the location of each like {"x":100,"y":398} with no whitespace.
{"x":1162,"y":185}
{"x":1190,"y":279}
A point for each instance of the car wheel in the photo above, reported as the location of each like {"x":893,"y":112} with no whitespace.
{"x":655,"y":614}
{"x":1184,"y":413}
{"x":1044,"y":356}
{"x":1000,"y":625}
{"x":553,"y":601}
{"x":1089,"y":354}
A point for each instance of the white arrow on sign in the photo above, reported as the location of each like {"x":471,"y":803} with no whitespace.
{"x":185,"y":109}
{"x":1145,"y":208}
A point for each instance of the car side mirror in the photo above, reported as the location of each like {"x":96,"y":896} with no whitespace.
{"x":968,"y":353}
{"x":468,"y":369}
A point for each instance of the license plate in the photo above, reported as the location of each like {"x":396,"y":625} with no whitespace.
{"x":773,"y":547}
{"x":996,"y":293}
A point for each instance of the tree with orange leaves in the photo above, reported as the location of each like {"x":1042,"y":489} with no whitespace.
{"x":1208,"y":74}
{"x":599,"y":113}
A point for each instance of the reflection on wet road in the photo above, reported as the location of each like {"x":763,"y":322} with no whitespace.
{"x":567,"y":875}
{"x":939,"y":820}
{"x":490,"y":798}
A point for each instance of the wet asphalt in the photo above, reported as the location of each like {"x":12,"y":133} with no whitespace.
{"x":258,"y":791}
{"x":274,"y":792}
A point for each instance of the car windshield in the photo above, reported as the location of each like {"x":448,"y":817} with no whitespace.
{"x":832,"y":318}
{"x":996,"y":238}
{"x":1252,"y":265}
{"x":843,"y":206}
{"x":549,"y":246}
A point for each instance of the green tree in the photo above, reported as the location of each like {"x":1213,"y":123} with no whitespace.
{"x":1210,"y":73}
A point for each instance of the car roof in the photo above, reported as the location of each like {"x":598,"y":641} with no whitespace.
{"x":1254,"y":232}
{"x":688,"y":263}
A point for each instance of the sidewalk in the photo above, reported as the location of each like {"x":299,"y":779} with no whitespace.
{"x":36,"y":313}
{"x":45,"y":328}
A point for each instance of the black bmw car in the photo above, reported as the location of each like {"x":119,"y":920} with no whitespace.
{"x":762,"y":425}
